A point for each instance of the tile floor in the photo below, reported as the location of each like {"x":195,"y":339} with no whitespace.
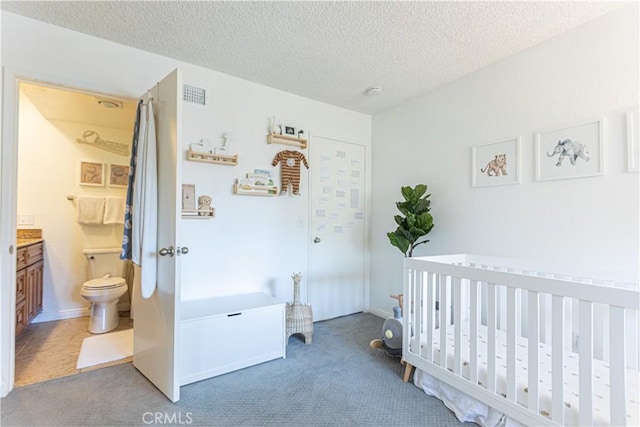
{"x":49,"y":350}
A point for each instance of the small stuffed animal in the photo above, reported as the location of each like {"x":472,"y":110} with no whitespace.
{"x":204,"y":206}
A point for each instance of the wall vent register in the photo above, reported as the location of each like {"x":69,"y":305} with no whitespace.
{"x":194,"y":94}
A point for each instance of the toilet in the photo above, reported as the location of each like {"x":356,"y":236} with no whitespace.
{"x":104,"y":289}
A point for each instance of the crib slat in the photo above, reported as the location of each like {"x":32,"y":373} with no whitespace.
{"x":617,"y":364}
{"x":511,"y":344}
{"x":533,"y":332}
{"x":473,"y":326}
{"x":491,"y":339}
{"x":632,"y":344}
{"x":557,"y":358}
{"x":457,"y":324}
{"x":417,"y":321}
{"x":430,"y":313}
{"x":586,"y":362}
{"x":545,"y":316}
{"x":443,"y":321}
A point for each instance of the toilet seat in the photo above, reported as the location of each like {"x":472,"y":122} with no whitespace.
{"x":103,"y":284}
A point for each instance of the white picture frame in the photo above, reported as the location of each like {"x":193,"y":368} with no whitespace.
{"x":633,"y":143}
{"x":496,"y":163}
{"x":92,"y":174}
{"x":574,"y":151}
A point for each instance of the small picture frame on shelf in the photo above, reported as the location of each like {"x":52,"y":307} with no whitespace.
{"x":118,"y":175}
{"x":92,"y":173}
{"x":290,"y":131}
{"x":189,"y":198}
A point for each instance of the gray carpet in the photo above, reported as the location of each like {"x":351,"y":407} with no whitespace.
{"x":336,"y":381}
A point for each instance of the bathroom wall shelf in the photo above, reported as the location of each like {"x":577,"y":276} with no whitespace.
{"x":255,"y":190}
{"x":273,"y":138}
{"x":197,"y":156}
{"x":193,"y":214}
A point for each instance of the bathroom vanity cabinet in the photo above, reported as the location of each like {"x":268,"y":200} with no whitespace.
{"x":29,"y":274}
{"x":221,"y":335}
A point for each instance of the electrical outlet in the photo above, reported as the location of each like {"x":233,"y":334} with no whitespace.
{"x":26,"y":219}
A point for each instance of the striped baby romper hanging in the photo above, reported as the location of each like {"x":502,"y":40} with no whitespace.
{"x":290,"y":170}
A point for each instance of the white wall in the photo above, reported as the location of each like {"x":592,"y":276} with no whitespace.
{"x":590,"y":72}
{"x":48,"y":170}
{"x":255,"y":243}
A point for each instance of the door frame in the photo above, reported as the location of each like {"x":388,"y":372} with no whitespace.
{"x":11,"y":79}
{"x":367,"y":220}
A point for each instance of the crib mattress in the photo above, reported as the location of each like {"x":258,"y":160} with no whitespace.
{"x":601,"y":388}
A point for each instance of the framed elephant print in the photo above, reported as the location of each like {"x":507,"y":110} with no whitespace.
{"x":496,"y":163}
{"x":574,"y":151}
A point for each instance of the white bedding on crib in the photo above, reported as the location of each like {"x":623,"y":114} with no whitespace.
{"x":467,"y":409}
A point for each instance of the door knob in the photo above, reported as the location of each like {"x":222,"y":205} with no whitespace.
{"x":166,"y":251}
{"x":182,"y":250}
{"x":316,"y":240}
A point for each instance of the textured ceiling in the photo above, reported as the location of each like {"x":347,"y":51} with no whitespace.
{"x":328,"y":51}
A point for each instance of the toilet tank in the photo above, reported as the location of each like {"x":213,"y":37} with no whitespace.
{"x":104,"y":261}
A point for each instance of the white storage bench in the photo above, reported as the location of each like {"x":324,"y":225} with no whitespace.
{"x":220,"y":335}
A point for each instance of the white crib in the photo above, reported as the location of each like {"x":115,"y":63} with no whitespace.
{"x":540,"y":347}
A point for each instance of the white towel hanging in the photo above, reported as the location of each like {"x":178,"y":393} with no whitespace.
{"x":90,"y":209}
{"x":145,"y":203}
{"x":114,"y":210}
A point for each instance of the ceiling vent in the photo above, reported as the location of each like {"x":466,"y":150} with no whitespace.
{"x":194,"y":95}
{"x":110,"y":103}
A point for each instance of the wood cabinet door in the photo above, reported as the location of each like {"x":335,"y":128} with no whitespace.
{"x":21,"y":285}
{"x":21,"y":316}
{"x":34,"y":289}
{"x":31,"y":280}
{"x":37,"y":291}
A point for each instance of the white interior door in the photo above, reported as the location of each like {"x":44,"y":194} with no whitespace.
{"x":157,"y":319}
{"x":336,"y":264}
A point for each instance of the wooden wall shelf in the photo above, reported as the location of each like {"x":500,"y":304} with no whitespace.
{"x":197,"y":156}
{"x":255,"y":190}
{"x":273,"y":138}
{"x":193,"y":214}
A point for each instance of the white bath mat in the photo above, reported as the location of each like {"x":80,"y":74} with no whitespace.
{"x":105,"y":348}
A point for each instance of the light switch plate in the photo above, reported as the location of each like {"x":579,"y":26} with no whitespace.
{"x":26,"y":219}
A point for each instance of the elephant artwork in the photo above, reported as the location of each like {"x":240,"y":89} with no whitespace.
{"x":571,"y":149}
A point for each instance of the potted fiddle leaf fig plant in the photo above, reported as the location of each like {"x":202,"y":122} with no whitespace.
{"x":415,"y":221}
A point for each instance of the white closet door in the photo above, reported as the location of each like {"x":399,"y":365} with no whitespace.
{"x":336,"y":254}
{"x":157,"y":319}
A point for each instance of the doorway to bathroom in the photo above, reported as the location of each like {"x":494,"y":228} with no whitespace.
{"x":71,"y":145}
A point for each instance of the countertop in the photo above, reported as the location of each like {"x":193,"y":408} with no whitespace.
{"x":21,"y":243}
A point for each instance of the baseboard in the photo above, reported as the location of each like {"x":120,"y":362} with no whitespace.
{"x":380,"y":313}
{"x":50,"y":316}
